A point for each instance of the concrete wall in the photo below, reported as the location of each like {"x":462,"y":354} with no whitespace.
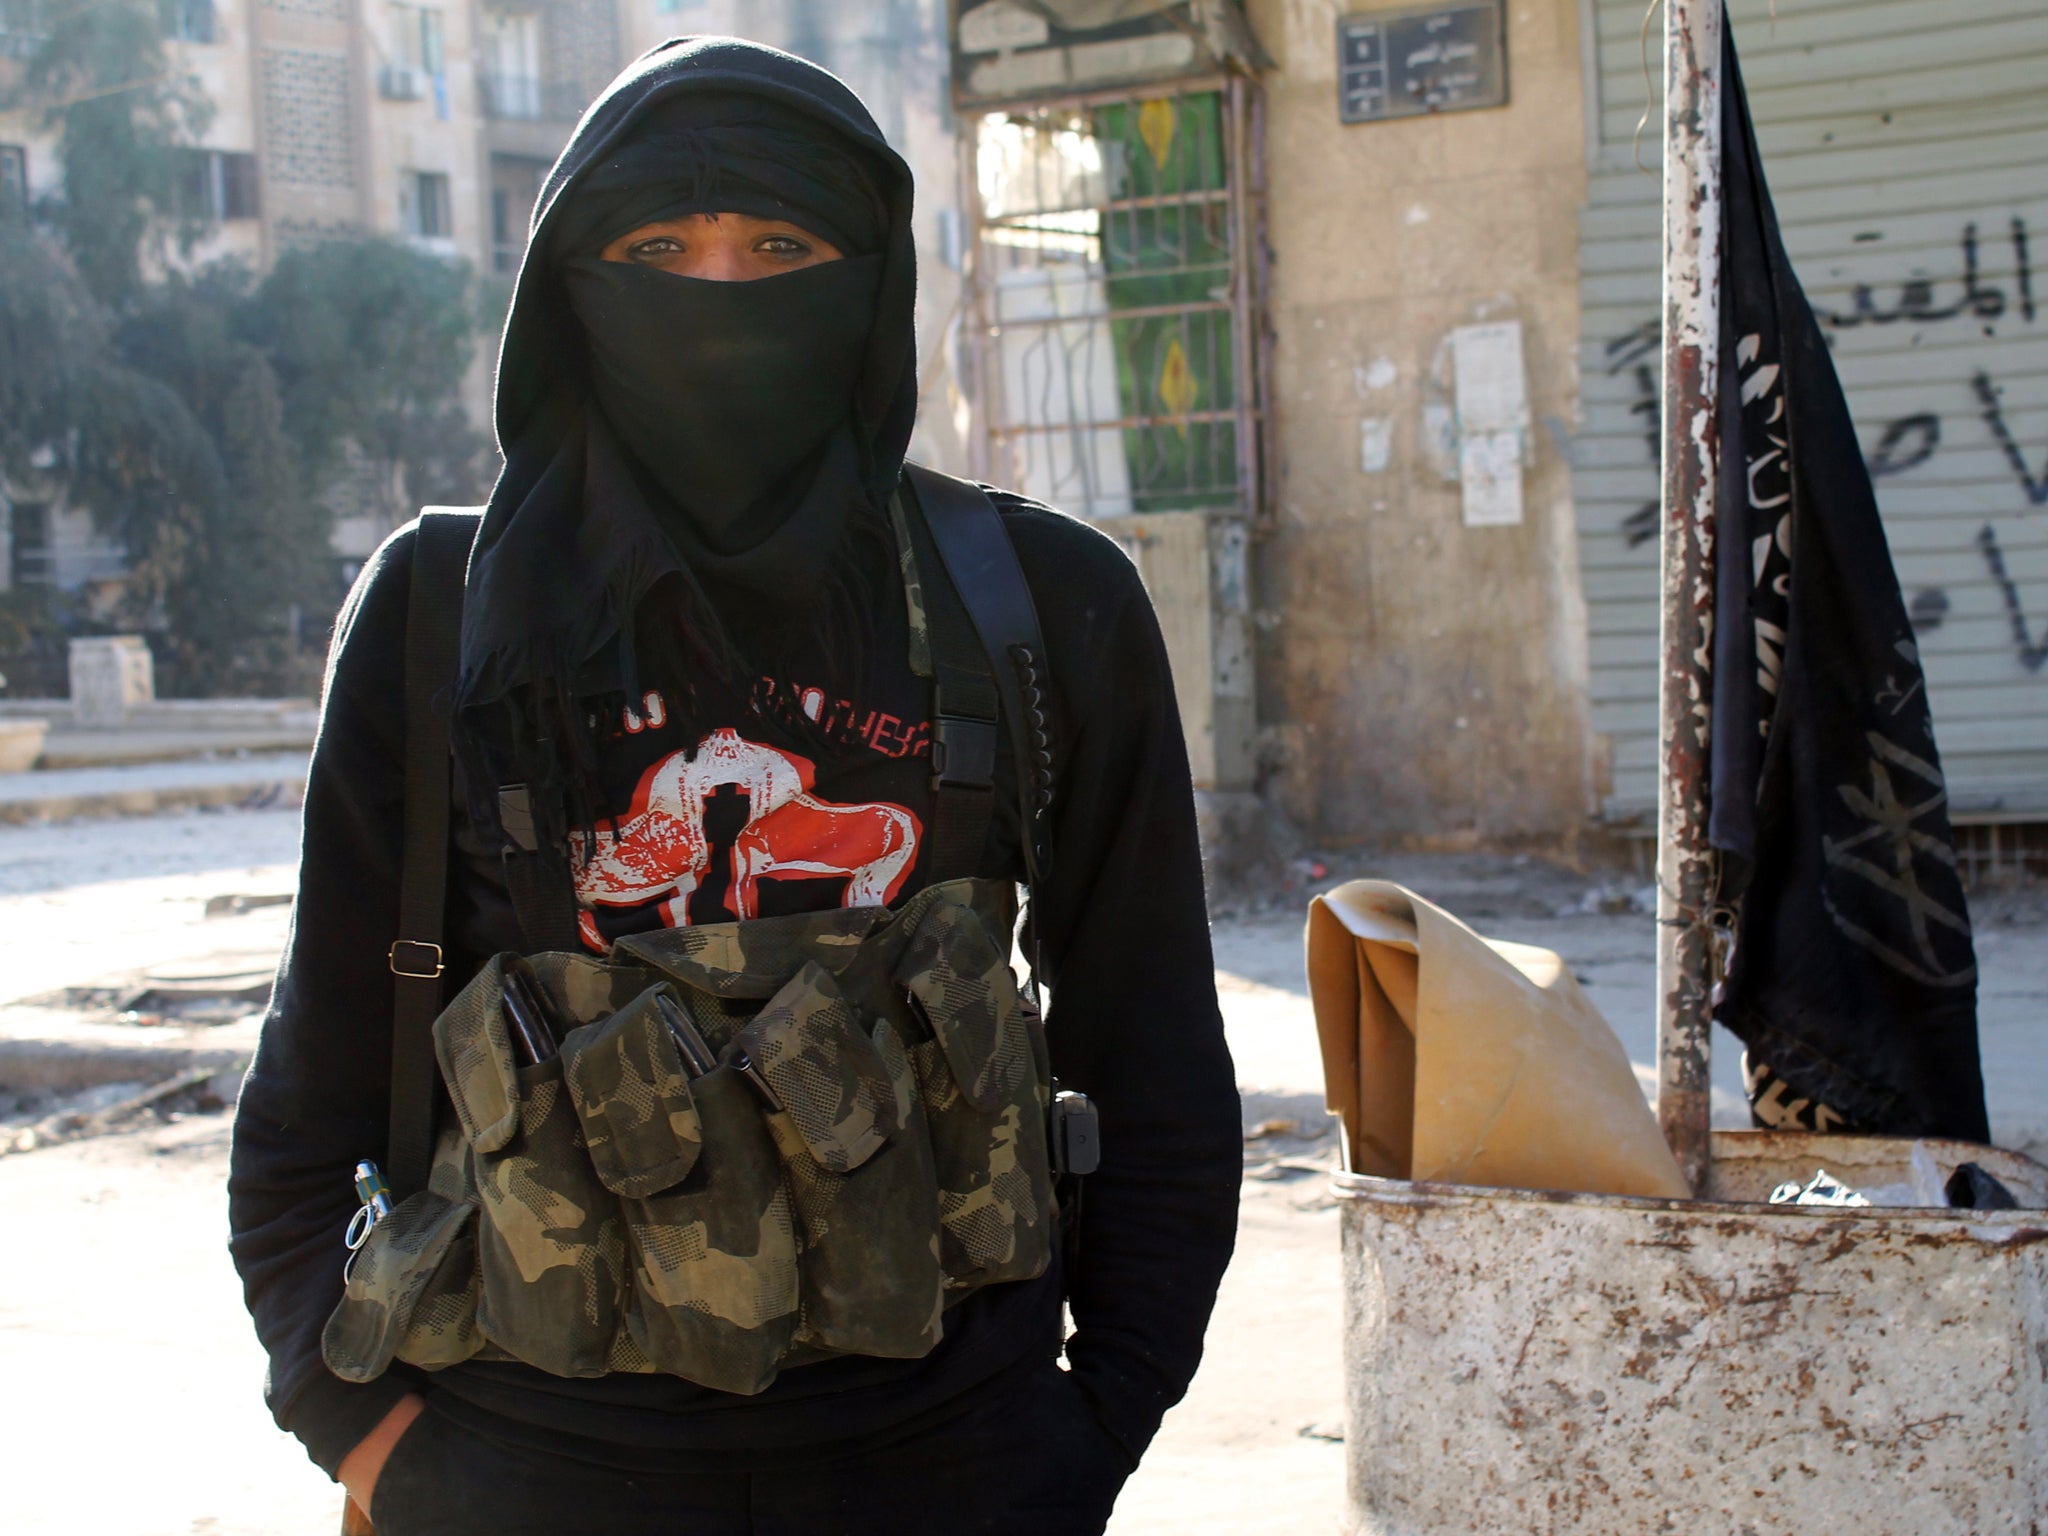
{"x":1421,"y":677}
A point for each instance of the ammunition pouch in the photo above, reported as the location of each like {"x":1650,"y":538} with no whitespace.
{"x":605,"y":1211}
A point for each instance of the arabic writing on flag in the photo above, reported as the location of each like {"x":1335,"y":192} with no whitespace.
{"x":1852,"y":979}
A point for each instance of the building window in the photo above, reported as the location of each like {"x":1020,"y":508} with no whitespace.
{"x":219,"y":185}
{"x":423,"y":205}
{"x":418,"y":65}
{"x":239,"y":198}
{"x":1116,"y":344}
{"x":510,"y":76}
{"x":186,"y":21}
{"x":433,"y":51}
{"x":515,"y":185}
{"x":416,"y":38}
{"x":13,"y":173}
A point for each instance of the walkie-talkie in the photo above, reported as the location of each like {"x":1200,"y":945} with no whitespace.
{"x":1074,"y":1133}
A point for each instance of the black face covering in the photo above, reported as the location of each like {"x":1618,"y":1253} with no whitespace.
{"x":725,"y":392}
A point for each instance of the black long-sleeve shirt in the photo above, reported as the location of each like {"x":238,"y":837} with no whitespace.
{"x":1133,"y":1020}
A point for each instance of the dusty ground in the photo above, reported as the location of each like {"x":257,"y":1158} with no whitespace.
{"x":119,"y":1312}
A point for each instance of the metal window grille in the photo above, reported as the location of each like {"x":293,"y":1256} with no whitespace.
{"x":1116,"y":291}
{"x":512,"y":97}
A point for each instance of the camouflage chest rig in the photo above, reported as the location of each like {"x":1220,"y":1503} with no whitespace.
{"x":759,"y":1143}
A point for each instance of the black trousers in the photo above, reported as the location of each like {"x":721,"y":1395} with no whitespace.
{"x":1024,"y":1456}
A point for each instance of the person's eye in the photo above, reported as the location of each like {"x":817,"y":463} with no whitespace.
{"x":654,"y":250}
{"x":782,"y":245}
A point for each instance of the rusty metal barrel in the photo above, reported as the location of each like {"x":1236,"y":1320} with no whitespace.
{"x":1591,"y":1365}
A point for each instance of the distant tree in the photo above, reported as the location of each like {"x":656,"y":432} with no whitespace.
{"x":124,"y":120}
{"x":170,"y":431}
{"x":230,"y":576}
{"x":370,"y":340}
{"x":202,"y":417}
{"x":74,"y":413}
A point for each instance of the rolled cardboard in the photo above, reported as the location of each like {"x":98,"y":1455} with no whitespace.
{"x":1452,"y":1058}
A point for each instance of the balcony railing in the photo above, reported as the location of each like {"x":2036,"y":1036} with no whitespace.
{"x":510,"y":96}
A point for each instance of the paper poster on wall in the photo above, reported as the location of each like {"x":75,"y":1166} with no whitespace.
{"x":1493,"y":420}
{"x":1490,"y":479}
{"x":1375,"y":443}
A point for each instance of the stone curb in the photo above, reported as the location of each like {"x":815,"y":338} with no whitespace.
{"x":144,"y":789}
{"x":70,"y":1055}
{"x":63,"y":1066}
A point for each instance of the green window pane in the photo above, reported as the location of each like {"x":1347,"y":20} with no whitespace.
{"x":1166,"y":256}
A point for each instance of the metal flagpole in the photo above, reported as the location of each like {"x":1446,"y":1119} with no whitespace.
{"x":1692,"y":329}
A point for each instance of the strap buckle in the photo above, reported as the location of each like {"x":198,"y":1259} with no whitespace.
{"x":963,"y":753}
{"x":409,"y":957}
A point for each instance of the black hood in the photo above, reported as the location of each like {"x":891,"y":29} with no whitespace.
{"x":572,"y":544}
{"x":542,"y":351}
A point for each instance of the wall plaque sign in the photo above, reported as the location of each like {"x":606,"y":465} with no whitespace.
{"x":1017,"y":51}
{"x":1440,"y":58}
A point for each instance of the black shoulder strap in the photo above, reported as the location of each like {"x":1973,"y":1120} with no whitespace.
{"x":977,"y":554}
{"x":967,"y":709}
{"x":433,"y":644}
{"x":537,"y":876}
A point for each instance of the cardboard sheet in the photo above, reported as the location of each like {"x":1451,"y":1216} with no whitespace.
{"x":1458,"y":1059}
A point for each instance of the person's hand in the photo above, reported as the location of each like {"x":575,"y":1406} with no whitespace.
{"x":361,"y":1467}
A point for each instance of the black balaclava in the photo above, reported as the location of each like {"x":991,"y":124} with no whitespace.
{"x":607,"y":492}
{"x":725,"y":393}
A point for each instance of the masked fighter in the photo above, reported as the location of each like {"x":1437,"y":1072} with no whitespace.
{"x":685,"y":626}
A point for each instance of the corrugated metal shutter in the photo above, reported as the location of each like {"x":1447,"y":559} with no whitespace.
{"x":1906,"y":143}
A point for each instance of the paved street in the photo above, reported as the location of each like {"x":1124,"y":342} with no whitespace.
{"x":118,"y":1308}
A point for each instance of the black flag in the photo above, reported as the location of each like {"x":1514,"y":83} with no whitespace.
{"x":1853,"y":980}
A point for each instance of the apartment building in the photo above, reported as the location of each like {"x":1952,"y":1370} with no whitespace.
{"x":430,"y":122}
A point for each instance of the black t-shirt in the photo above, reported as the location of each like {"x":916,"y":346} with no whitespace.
{"x":715,"y":817}
{"x":720,"y":816}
